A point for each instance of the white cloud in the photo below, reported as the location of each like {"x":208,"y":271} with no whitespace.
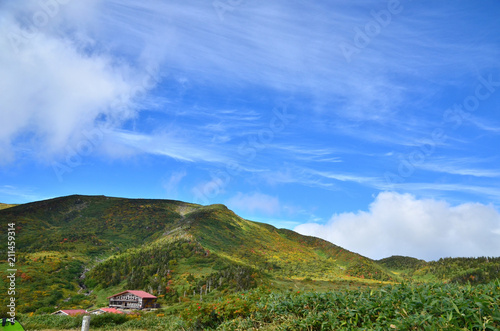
{"x":401,"y":224}
{"x":54,"y":88}
{"x":255,"y":202}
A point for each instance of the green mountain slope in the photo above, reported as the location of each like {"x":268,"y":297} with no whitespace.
{"x":73,"y":251}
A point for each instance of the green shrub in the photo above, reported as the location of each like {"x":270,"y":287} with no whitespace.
{"x":107,"y":319}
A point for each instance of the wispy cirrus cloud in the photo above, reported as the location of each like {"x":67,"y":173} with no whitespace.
{"x":436,"y":189}
{"x":461,"y":167}
{"x":294,"y":174}
{"x":346,"y":177}
{"x":306,"y":153}
{"x":373,"y":178}
{"x":488,"y":126}
{"x":169,"y":144}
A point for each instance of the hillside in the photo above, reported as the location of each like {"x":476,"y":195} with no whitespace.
{"x":6,"y":205}
{"x":459,"y":270}
{"x":74,"y":251}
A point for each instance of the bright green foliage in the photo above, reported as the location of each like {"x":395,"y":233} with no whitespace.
{"x":399,"y":307}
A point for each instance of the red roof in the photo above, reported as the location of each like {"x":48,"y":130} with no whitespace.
{"x":140,"y":294}
{"x":111,"y":310}
{"x":72,"y":312}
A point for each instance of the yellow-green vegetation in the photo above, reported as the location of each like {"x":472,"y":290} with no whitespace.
{"x":5,"y":206}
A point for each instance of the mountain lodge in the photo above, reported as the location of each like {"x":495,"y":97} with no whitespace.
{"x":132,"y":300}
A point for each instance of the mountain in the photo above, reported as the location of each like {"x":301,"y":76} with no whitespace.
{"x":74,"y":251}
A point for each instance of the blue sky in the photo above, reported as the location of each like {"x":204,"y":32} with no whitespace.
{"x":372,"y":124}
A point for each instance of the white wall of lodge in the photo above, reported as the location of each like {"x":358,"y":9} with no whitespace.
{"x":132,"y":301}
{"x":127,"y":297}
{"x":126,"y":300}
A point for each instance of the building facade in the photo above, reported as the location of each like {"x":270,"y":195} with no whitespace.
{"x":132,"y":300}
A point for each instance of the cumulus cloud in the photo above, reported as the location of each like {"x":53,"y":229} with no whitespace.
{"x":255,"y":202}
{"x":401,"y":224}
